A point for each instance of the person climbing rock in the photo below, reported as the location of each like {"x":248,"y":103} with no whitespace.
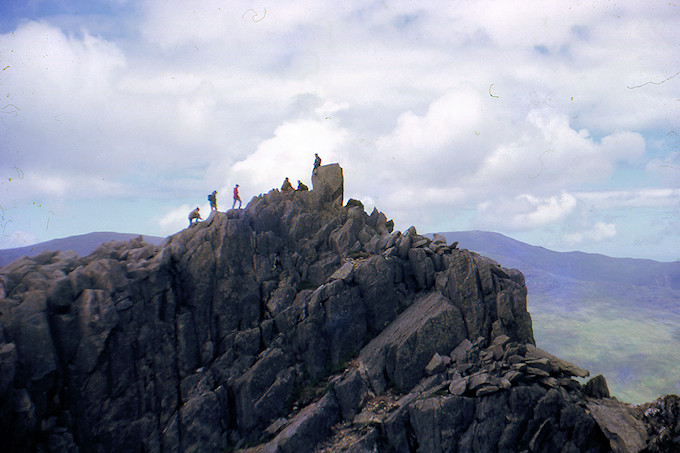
{"x":195,"y":214}
{"x":236,"y":198}
{"x":301,"y":186}
{"x":212,"y":198}
{"x":286,"y":187}
{"x":317,"y":162}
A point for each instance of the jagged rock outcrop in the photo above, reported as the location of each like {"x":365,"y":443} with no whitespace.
{"x":292,"y":325}
{"x":662,"y":420}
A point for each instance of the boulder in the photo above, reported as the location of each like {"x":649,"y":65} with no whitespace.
{"x":344,"y":273}
{"x":423,"y":267}
{"x":626,"y":434}
{"x":351,"y":392}
{"x":308,"y":428}
{"x":532,"y":352}
{"x":329,"y":181}
{"x":597,"y":387}
{"x":438,"y":423}
{"x":458,"y":384}
{"x":460,"y":352}
{"x":436,"y":365}
{"x":401,"y":352}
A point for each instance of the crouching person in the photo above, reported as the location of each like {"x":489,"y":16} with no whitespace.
{"x":195,"y":214}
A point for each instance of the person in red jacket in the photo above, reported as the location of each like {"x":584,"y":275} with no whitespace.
{"x":236,"y":198}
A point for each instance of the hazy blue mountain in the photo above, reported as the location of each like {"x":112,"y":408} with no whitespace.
{"x":573,"y":265}
{"x":615,"y":316}
{"x":82,"y":244}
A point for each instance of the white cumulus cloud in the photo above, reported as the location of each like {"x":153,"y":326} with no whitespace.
{"x":515,"y":117}
{"x":525,"y":211}
{"x":290,"y":153}
{"x":598,"y":232}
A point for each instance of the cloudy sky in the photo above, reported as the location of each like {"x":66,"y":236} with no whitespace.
{"x":556,"y":123}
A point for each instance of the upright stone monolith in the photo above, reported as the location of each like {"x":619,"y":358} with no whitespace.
{"x":328,"y":180}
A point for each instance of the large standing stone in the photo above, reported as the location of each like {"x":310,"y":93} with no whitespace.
{"x":328,"y":180}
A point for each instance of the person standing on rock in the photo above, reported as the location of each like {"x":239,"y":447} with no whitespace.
{"x":195,"y":214}
{"x":286,"y":187}
{"x":317,"y":162}
{"x":302,"y":187}
{"x":236,"y":198}
{"x":212,"y":198}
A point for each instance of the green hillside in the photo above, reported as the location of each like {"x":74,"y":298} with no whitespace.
{"x":613,"y":316}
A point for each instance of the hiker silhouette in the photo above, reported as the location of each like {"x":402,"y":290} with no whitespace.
{"x":236,"y":198}
{"x":195,"y":214}
{"x":286,"y":187}
{"x":212,"y":198}
{"x":317,"y":162}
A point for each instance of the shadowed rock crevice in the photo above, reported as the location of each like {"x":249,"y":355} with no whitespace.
{"x":293,"y":324}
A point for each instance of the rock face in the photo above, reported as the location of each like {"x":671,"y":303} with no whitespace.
{"x":328,"y":180}
{"x":293,"y":325}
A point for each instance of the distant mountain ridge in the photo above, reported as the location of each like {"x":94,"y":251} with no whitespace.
{"x":82,"y":244}
{"x":573,"y":265}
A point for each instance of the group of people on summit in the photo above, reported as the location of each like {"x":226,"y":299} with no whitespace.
{"x":286,"y":188}
{"x":212,"y":198}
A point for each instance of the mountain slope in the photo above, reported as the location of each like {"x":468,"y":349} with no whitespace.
{"x":618,"y":317}
{"x":82,"y":244}
{"x":294,"y":325}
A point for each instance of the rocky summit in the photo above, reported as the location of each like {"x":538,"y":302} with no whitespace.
{"x":295,"y":325}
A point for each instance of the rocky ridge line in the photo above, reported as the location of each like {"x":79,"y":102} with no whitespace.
{"x":295,"y":324}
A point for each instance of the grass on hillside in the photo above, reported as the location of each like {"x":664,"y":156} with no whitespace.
{"x":637,"y":349}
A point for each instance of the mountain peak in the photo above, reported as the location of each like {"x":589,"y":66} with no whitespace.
{"x":279,"y":325}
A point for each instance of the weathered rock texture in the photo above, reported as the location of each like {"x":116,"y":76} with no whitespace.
{"x":328,"y":180}
{"x":293,"y":325}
